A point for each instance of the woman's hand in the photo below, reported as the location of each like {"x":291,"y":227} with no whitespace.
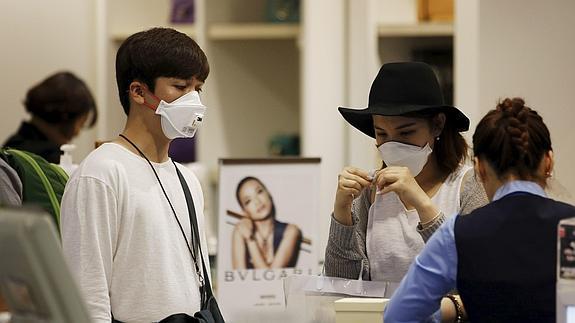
{"x":246,"y":228}
{"x":351,"y":181}
{"x":400,"y":180}
{"x":244,"y":244}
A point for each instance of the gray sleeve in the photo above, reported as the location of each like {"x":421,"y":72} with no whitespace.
{"x":472,"y":197}
{"x":10,"y":185}
{"x":473,"y":194}
{"x":345,"y":254}
{"x":429,"y":230}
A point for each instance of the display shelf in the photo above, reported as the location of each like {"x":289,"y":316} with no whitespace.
{"x":416,"y":30}
{"x":246,"y":31}
{"x":120,"y":34}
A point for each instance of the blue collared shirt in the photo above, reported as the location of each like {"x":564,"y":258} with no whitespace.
{"x":434,"y":271}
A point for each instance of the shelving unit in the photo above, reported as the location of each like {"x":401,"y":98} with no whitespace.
{"x":374,"y":42}
{"x":253,"y":31}
{"x":416,"y":30}
{"x":430,"y":43}
{"x":120,"y":34}
{"x":253,"y":89}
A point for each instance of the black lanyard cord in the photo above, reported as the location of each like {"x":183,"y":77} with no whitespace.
{"x":172,"y":207}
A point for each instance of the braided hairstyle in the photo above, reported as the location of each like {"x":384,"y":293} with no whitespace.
{"x":513,"y":139}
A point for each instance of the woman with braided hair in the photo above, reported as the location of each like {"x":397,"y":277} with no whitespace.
{"x":500,"y":257}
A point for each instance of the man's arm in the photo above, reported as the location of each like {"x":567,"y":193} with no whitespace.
{"x":89,"y":226}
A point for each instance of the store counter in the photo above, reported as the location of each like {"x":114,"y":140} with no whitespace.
{"x":365,"y":310}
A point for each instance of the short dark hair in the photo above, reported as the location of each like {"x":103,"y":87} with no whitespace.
{"x":513,"y":139}
{"x":157,"y":52}
{"x":450,"y":148}
{"x":61,"y":99}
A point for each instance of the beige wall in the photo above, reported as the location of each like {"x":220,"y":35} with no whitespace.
{"x":39,"y":38}
{"x":521,"y":48}
{"x":510,"y":48}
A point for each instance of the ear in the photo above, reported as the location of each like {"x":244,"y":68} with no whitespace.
{"x":479,"y":168}
{"x":438,"y":124}
{"x":548,"y":163}
{"x":136,"y":92}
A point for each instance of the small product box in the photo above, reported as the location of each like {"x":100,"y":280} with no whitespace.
{"x":566,"y":253}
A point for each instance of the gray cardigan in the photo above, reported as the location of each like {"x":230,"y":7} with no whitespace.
{"x":345,"y":254}
{"x":10,"y":185}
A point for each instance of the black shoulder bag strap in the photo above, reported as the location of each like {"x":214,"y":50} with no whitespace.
{"x":206,"y":289}
{"x":207,"y":297}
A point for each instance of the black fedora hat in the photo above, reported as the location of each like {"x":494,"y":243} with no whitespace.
{"x":399,"y":89}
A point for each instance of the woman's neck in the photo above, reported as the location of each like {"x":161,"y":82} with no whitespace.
{"x":494,"y":183}
{"x":430,"y":176}
{"x":265,"y":226}
{"x":51,"y":131}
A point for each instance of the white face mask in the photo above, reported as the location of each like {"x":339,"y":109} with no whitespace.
{"x":413,"y":157}
{"x":183,"y":116}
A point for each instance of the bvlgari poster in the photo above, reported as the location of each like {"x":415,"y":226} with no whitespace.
{"x":268,"y":210}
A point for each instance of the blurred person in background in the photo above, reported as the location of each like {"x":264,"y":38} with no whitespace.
{"x":59,"y":107}
{"x":10,"y":186}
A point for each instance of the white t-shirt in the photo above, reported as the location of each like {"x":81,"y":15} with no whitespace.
{"x":392,"y":239}
{"x":121,"y":239}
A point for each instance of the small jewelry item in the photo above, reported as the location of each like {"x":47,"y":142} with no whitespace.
{"x":422,"y":226}
{"x":265,"y":249}
{"x":264,"y":241}
{"x":458,"y":308}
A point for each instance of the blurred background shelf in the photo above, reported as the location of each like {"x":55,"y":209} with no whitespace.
{"x":120,"y":34}
{"x":415,"y":30}
{"x":246,"y":31}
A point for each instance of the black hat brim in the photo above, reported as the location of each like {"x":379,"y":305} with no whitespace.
{"x":361,"y":118}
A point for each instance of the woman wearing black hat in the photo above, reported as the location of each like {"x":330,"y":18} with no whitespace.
{"x":500,"y":257}
{"x":382,"y":218}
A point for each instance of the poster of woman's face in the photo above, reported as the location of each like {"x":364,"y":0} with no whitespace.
{"x":259,"y":239}
{"x":266,"y":215}
{"x":267,"y":227}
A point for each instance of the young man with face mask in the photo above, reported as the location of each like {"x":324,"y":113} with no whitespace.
{"x":383,"y":217}
{"x":126,"y":230}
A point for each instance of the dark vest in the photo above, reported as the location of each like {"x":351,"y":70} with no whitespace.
{"x":506,"y":270}
{"x":279,"y":230}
